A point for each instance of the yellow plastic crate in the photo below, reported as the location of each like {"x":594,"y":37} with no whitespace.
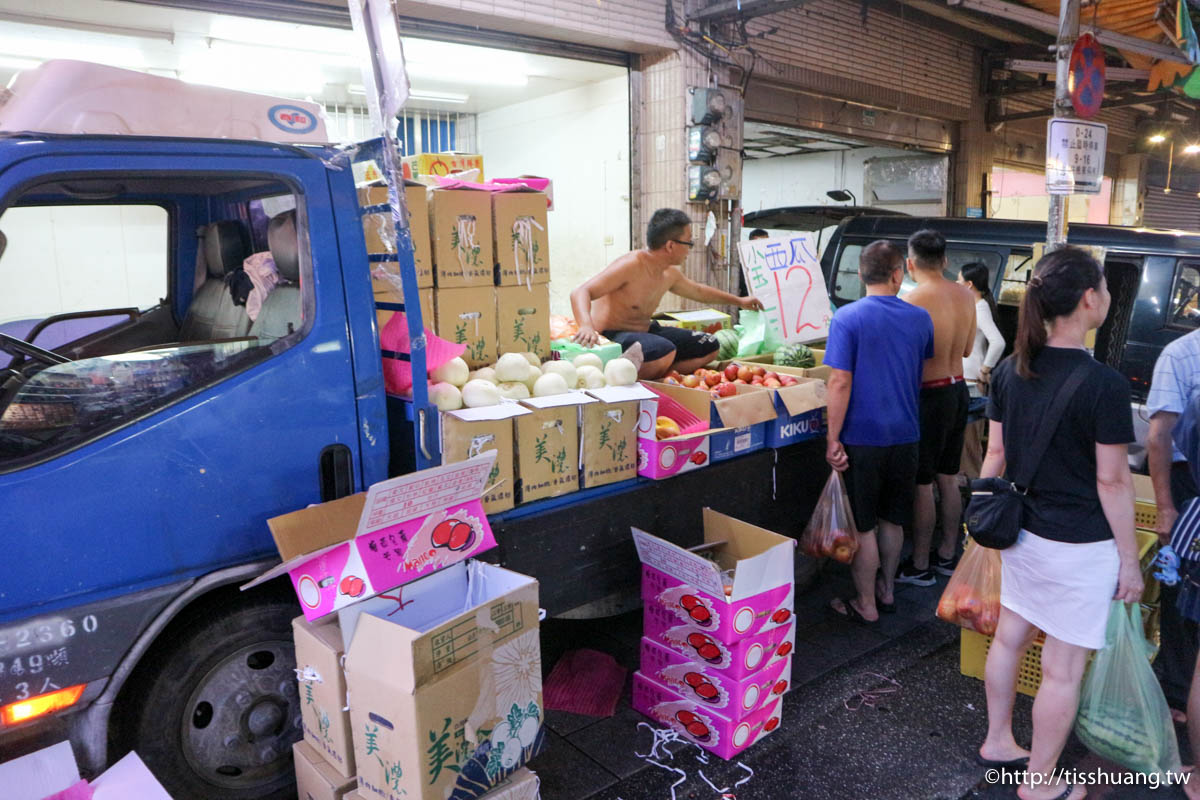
{"x":973,"y":648}
{"x":1145,"y":514}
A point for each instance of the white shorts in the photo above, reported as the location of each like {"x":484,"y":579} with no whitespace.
{"x":1065,"y":589}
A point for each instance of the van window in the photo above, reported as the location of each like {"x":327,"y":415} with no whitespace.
{"x":848,"y":285}
{"x":91,"y":345}
{"x":1017,"y":271}
{"x":1185,"y":299}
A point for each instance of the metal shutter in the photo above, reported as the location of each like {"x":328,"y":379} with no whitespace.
{"x":1175,"y":211}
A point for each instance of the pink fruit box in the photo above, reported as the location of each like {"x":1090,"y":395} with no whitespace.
{"x":347,"y":550}
{"x":737,"y":662}
{"x":724,"y":737}
{"x":696,"y":590}
{"x":693,"y":681}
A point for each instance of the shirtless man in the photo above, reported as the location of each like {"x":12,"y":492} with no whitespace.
{"x":944,"y":400}
{"x":621,"y":299}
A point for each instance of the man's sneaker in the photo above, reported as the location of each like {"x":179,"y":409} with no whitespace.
{"x":917,"y":577}
{"x":944,"y":566}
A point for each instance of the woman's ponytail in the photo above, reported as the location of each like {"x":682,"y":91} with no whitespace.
{"x":1058,"y":283}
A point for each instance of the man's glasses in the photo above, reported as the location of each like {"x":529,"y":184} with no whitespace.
{"x":680,"y":241}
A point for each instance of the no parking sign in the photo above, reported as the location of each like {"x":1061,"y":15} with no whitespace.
{"x":1086,"y":79}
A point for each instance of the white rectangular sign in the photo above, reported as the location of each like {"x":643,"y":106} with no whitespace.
{"x":785,"y":274}
{"x":1075,"y":156}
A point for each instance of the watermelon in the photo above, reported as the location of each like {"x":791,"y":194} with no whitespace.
{"x":795,"y":355}
{"x":728,"y":340}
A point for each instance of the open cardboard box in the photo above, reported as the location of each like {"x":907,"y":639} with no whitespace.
{"x":799,"y":409}
{"x":445,"y":684}
{"x":761,"y":596}
{"x":323,"y":717}
{"x":347,"y":550}
{"x":608,"y":433}
{"x":470,"y":431}
{"x":738,"y":423}
{"x":665,"y":458}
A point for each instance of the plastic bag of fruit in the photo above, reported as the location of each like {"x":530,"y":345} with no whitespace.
{"x":972,"y":597}
{"x":830,"y":532}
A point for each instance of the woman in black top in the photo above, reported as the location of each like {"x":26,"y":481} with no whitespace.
{"x":1077,"y":549}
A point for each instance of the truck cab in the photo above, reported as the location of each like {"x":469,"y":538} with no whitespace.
{"x":157,"y":406}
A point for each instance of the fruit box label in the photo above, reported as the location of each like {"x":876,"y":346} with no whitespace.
{"x":789,"y":429}
{"x":736,"y":661}
{"x":738,"y":441}
{"x":697,"y":724}
{"x":732,"y":699}
{"x":727,"y":621}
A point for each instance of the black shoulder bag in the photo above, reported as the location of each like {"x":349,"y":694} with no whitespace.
{"x":994,"y":513}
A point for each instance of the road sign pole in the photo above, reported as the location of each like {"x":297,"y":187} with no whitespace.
{"x":1068,"y":32}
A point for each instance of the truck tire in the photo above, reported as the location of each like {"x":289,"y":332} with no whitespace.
{"x":218,"y":709}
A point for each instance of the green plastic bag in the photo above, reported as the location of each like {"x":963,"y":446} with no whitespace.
{"x":751,"y":329}
{"x":1123,"y":715}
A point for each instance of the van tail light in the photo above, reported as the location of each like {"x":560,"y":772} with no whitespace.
{"x":40,"y":706}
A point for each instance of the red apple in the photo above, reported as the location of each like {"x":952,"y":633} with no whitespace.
{"x":788,"y":380}
{"x":772,"y":383}
{"x":726,"y":390}
{"x":712,"y":378}
{"x":745,"y":373}
{"x":741,"y":382}
{"x":757,"y":380}
{"x":731,"y":372}
{"x":759,"y":371}
{"x":690,"y":381}
{"x":774,"y":375}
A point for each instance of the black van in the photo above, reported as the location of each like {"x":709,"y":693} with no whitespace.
{"x":1154,"y":276}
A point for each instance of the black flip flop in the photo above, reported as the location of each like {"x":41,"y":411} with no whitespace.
{"x":884,"y":608}
{"x":1016,"y":763}
{"x":1070,"y":787}
{"x":852,"y":614}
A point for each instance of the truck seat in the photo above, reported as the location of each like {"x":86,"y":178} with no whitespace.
{"x":280,"y":314}
{"x":212,"y":313}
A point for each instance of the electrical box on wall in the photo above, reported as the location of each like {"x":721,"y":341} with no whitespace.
{"x":704,"y":183}
{"x":704,"y":142}
{"x":714,"y":142}
{"x":708,"y":105}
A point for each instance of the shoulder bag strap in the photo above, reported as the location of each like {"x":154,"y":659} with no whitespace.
{"x":1049,"y":424}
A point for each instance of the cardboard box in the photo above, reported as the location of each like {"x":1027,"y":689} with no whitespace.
{"x":426,"y":165}
{"x":690,"y":586}
{"x":666,"y":458}
{"x":548,"y":445}
{"x":697,"y":723}
{"x":461,"y":234}
{"x":799,"y":409}
{"x":705,"y":319}
{"x":428,"y":307}
{"x":523,"y":784}
{"x":468,"y":316}
{"x":523,"y":319}
{"x":316,"y":779}
{"x":470,"y":431}
{"x":521,"y":238}
{"x":739,"y":423}
{"x":446,"y":686}
{"x":737,"y":661}
{"x":734,"y":700}
{"x":323,"y":693}
{"x":380,"y":236}
{"x":609,"y":432}
{"x":344,"y":551}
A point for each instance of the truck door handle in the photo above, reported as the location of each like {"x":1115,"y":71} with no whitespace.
{"x":336,"y":472}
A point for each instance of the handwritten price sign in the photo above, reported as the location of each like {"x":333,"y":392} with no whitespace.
{"x":785,"y":274}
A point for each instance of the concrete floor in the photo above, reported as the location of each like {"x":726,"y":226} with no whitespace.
{"x":917,"y":743}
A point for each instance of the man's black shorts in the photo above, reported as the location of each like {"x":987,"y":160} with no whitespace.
{"x":881,"y":482}
{"x":660,"y":340}
{"x":943,"y":427}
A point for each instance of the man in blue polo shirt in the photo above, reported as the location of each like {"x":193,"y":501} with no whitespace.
{"x":877,"y":348}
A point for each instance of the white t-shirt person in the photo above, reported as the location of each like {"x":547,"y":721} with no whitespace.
{"x":989,"y":343}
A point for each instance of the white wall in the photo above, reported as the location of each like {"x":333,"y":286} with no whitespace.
{"x":81,"y":258}
{"x":803,"y":180}
{"x":580,"y":140}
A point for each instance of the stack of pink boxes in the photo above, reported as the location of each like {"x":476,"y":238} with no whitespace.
{"x":716,"y":655}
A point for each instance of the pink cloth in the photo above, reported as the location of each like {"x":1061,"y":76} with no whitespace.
{"x":397,"y":374}
{"x":261,"y":269}
{"x":79,"y":791}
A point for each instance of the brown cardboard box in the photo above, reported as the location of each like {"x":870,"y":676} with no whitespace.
{"x":548,"y":445}
{"x":427,"y":308}
{"x":316,"y":779}
{"x":468,"y":316}
{"x":323,"y":692}
{"x":523,"y":319}
{"x":461,"y":656}
{"x":521,"y":238}
{"x":609,"y":434}
{"x":470,"y":431}
{"x":380,"y":238}
{"x":461,"y":233}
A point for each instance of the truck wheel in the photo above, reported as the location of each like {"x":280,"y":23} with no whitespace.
{"x":219,"y":713}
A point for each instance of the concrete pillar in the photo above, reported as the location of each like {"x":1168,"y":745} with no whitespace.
{"x":1129,"y":184}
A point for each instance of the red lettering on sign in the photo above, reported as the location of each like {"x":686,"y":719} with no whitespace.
{"x":800,"y":326}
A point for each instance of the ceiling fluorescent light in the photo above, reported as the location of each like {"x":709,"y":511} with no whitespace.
{"x":440,"y":97}
{"x":12,"y":62}
{"x":466,"y":74}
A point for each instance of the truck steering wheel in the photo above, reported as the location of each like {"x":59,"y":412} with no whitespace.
{"x":20,"y":347}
